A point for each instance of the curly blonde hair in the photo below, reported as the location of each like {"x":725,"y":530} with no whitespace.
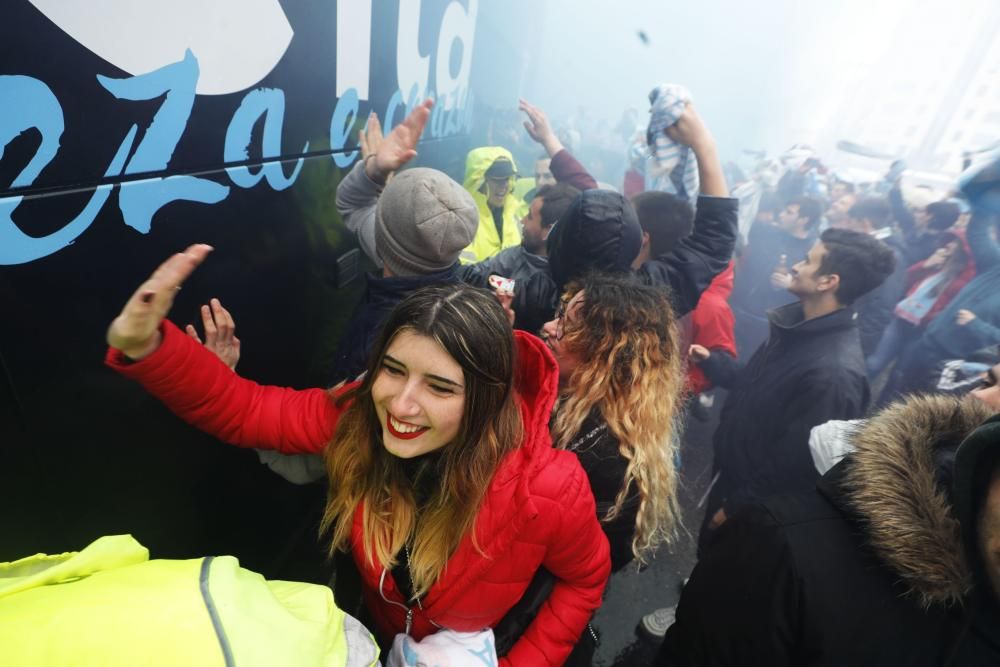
{"x":626,"y":338}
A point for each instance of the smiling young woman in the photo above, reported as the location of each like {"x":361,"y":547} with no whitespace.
{"x":444,"y":484}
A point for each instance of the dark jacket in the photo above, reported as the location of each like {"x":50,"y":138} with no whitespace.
{"x":687,"y":270}
{"x":876,"y":308}
{"x":866,"y":570}
{"x":515,"y":263}
{"x":599,"y":454}
{"x":807,"y":373}
{"x":380,"y":297}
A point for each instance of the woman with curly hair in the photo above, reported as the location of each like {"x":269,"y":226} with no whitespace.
{"x":621,"y":384}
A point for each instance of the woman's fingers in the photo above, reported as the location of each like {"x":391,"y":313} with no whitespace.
{"x":223,"y":321}
{"x":172,"y":273}
{"x":191,"y":331}
{"x":208,"y":322}
{"x":375,"y":128}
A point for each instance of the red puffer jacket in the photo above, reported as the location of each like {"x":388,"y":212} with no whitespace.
{"x":538,"y":510}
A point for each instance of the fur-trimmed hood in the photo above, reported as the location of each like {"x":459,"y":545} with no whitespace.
{"x":898,"y":483}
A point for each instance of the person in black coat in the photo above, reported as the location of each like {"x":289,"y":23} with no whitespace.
{"x":894,"y":559}
{"x":809,"y":371}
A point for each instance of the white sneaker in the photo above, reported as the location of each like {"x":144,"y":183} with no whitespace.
{"x":655,"y":624}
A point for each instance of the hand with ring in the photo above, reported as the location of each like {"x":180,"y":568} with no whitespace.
{"x":136,"y":330}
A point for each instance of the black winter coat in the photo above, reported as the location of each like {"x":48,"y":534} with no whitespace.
{"x":807,"y":373}
{"x":598,"y":451}
{"x":865,"y":571}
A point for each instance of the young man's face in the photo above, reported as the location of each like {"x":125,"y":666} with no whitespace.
{"x":806,"y":277}
{"x":533,"y":235}
{"x":497,"y":189}
{"x":543,"y":173}
{"x":837,"y":191}
{"x":788,"y":219}
{"x":839,"y":208}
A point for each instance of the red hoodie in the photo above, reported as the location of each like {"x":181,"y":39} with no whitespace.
{"x":711,"y":326}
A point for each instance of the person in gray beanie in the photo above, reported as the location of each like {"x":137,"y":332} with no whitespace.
{"x":413,"y":225}
{"x":423,"y":220}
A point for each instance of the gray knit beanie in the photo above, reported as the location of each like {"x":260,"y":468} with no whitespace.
{"x":423,"y":221}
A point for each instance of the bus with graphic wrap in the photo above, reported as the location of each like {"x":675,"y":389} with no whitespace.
{"x":131,"y":130}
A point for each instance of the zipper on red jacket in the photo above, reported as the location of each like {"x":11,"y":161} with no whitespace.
{"x":409,"y":610}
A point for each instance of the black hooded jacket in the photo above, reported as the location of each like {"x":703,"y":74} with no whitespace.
{"x":869,"y":569}
{"x":600,"y":232}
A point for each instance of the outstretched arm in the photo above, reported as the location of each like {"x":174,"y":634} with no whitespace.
{"x":565,"y":168}
{"x":692,"y":265}
{"x":197,"y":386}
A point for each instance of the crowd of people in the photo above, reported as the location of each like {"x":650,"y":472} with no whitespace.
{"x":502,"y":423}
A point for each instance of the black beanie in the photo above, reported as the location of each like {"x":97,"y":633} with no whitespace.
{"x":598,"y":232}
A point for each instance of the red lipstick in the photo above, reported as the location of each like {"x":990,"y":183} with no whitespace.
{"x":401,"y":435}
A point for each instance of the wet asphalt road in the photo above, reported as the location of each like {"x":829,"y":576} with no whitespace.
{"x":632,"y":594}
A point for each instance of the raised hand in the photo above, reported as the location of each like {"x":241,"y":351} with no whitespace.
{"x":220,"y":330}
{"x":539,"y":129}
{"x":938,"y":259}
{"x":136,"y":330}
{"x":399,"y":146}
{"x":690,"y":129}
{"x":963,"y":317}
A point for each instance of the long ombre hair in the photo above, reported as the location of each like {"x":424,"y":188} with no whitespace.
{"x":470,"y":326}
{"x":627,"y":340}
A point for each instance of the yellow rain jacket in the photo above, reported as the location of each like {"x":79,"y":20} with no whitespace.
{"x":487,"y":242}
{"x":110,"y":605}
